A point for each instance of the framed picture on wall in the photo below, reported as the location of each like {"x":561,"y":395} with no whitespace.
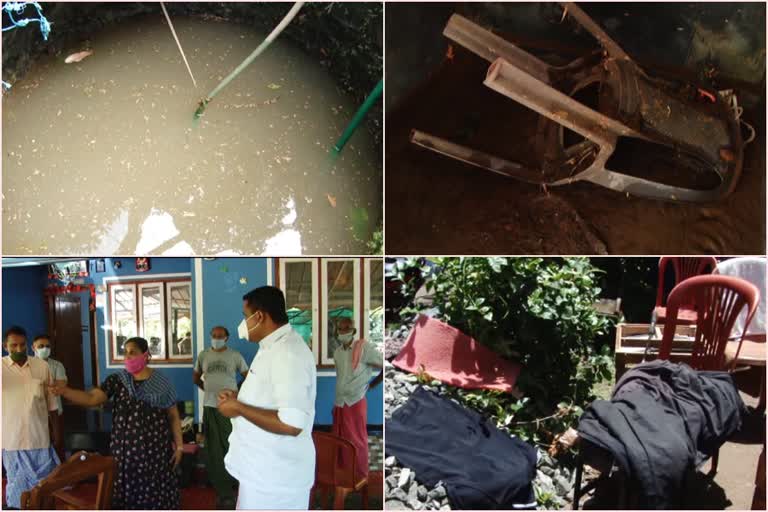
{"x":142,"y":264}
{"x":101,"y":266}
{"x":68,"y":270}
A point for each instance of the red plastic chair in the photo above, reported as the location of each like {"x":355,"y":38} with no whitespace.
{"x":684,"y":268}
{"x":330,"y":476}
{"x":718,"y":300}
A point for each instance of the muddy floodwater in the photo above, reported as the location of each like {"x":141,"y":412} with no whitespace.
{"x":103,"y":156}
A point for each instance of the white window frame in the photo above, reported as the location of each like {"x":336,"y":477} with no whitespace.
{"x":113,"y":314}
{"x":324,"y":360}
{"x":169,"y":327}
{"x":315,"y":297}
{"x":367,"y":295}
{"x":140,"y":303}
{"x":110,"y":282}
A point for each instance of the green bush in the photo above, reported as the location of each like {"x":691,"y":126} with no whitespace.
{"x":539,"y":312}
{"x":376,"y":243}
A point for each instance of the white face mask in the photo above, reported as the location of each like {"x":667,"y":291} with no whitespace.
{"x":346,"y":338}
{"x":243,"y":330}
{"x":218,"y":343}
{"x":43,"y":353}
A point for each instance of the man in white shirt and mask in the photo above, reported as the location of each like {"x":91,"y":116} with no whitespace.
{"x":271,"y":452}
{"x":42,"y":347}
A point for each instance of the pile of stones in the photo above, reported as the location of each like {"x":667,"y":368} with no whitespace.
{"x":402,"y":490}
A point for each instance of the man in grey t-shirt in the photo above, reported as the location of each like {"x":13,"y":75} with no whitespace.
{"x":216,"y":369}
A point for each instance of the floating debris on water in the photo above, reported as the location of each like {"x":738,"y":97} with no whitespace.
{"x":118,"y":136}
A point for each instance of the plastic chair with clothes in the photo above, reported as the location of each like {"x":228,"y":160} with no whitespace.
{"x":333,"y":477}
{"x":718,"y":300}
{"x":64,"y":485}
{"x":683,"y":268}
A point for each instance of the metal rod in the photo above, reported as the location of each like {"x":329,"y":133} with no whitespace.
{"x":178,"y":43}
{"x":651,"y":334}
{"x":577,"y":484}
{"x":613,"y":49}
{"x":490,"y":47}
{"x":515,"y":83}
{"x":475,"y":157}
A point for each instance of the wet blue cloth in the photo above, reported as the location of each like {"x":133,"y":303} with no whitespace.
{"x":480,"y":466}
{"x":24,"y":469}
{"x":662,"y":420}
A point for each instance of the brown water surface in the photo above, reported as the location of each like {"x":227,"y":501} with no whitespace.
{"x":103,"y":157}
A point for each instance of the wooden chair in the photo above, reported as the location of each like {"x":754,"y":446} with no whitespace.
{"x":330,"y":476}
{"x":65,"y":485}
{"x":683,"y":268}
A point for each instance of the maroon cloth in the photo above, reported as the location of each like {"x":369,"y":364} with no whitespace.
{"x":449,"y":355}
{"x":349,"y":422}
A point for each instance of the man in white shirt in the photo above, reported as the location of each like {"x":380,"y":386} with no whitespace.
{"x":28,"y":407}
{"x":271,"y":452}
{"x":42,"y":347}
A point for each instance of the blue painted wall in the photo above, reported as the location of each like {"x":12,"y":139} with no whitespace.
{"x":223,"y":297}
{"x":23,"y":301}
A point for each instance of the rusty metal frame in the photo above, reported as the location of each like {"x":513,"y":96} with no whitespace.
{"x":702,"y":137}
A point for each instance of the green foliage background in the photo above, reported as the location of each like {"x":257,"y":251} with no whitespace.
{"x":539,"y":312}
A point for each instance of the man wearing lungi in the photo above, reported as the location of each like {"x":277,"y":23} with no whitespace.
{"x":28,"y":406}
{"x":357,"y":361}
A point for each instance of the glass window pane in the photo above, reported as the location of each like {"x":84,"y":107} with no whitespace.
{"x":180,"y":320}
{"x":299,"y":284}
{"x":376,"y":303}
{"x":152,"y":319}
{"x":124,"y":322}
{"x":340,"y":283}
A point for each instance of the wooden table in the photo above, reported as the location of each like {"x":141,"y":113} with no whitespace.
{"x":631,"y":340}
{"x":752,"y":353}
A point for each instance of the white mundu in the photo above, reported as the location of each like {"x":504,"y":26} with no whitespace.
{"x":276,"y":471}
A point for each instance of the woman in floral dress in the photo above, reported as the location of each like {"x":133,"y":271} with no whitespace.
{"x":145,"y":427}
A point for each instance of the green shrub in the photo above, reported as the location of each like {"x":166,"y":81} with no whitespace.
{"x":539,"y":312}
{"x":376,"y":243}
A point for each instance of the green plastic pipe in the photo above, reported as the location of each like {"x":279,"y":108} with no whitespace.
{"x":359,"y":116}
{"x":258,"y":51}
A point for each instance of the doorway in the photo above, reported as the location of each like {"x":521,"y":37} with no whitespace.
{"x":68,"y":334}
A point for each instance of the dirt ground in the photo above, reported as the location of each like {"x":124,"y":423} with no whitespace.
{"x":435,"y":205}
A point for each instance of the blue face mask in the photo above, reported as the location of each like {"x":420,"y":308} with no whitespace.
{"x":43,"y":353}
{"x":218,"y":343}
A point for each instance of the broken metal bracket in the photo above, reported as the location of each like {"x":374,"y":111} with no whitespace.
{"x":628,"y":109}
